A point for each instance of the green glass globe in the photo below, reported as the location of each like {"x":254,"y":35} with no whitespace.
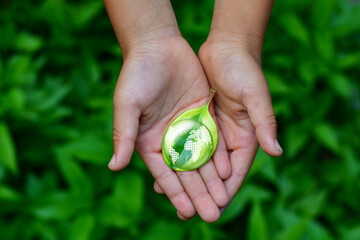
{"x":191,"y":139}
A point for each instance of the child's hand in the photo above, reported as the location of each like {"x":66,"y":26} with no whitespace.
{"x":242,"y":105}
{"x":159,"y":80}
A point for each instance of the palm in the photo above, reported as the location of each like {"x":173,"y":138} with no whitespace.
{"x":162,"y":81}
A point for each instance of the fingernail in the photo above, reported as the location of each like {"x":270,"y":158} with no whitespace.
{"x":112,"y":161}
{"x":277,"y":146}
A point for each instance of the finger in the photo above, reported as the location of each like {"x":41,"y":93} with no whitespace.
{"x":214,"y":184}
{"x":241,"y":161}
{"x":259,"y":107}
{"x":221,"y":158}
{"x":126,"y":124}
{"x":201,"y":199}
{"x":157,"y":188}
{"x":182,"y":217}
{"x":169,"y":182}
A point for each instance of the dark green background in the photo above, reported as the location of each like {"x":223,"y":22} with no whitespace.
{"x":58,"y":67}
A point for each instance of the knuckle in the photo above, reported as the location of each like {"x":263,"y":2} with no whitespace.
{"x":163,"y":176}
{"x":116,"y":135}
{"x":199,"y":197}
{"x":271,"y":121}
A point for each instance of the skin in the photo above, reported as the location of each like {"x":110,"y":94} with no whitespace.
{"x":162,"y":77}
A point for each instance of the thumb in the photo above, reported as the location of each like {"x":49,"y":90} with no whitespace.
{"x":261,"y":113}
{"x":126,"y":124}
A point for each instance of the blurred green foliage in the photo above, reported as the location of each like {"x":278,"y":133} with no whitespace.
{"x":58,"y":67}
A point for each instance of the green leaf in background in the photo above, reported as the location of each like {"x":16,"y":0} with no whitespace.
{"x":295,"y":140}
{"x":28,"y":42}
{"x":123,"y":207}
{"x":295,"y":232}
{"x":247,"y":193}
{"x":82,"y":227}
{"x":293,"y":26}
{"x":351,"y":233}
{"x":257,"y":226}
{"x":74,"y":175}
{"x":9,"y":195}
{"x":281,"y":60}
{"x":265,"y":165}
{"x":322,"y":11}
{"x":83,"y":14}
{"x":341,"y":85}
{"x":90,"y":149}
{"x":164,"y":230}
{"x":327,"y":135}
{"x":308,"y":73}
{"x":318,"y":231}
{"x":347,"y":19}
{"x":7,"y":149}
{"x":353,"y":166}
{"x":19,"y":69}
{"x":1,"y":68}
{"x":58,"y":206}
{"x":311,"y":205}
{"x":205,"y":231}
{"x":348,"y":61}
{"x":277,"y":85}
{"x":15,"y":100}
{"x":324,"y":45}
{"x":56,"y":91}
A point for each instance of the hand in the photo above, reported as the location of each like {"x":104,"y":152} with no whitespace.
{"x":160,"y":79}
{"x":242,"y":105}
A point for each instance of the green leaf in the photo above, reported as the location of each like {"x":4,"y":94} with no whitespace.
{"x":8,"y":194}
{"x":85,"y":13}
{"x":55,"y":92}
{"x":348,"y":61}
{"x":276,"y":84}
{"x":263,"y":164}
{"x":164,"y":230}
{"x":341,"y":85}
{"x":284,"y":61}
{"x":74,"y":175}
{"x":324,"y":45}
{"x":16,"y":100}
{"x":82,"y":227}
{"x":257,"y":226}
{"x":294,"y":27}
{"x":19,"y":69}
{"x":327,"y":135}
{"x":123,"y":208}
{"x":295,"y":139}
{"x":28,"y":42}
{"x":295,"y":232}
{"x":90,"y":149}
{"x":311,"y":205}
{"x":58,"y":206}
{"x":308,"y":73}
{"x":322,"y":11}
{"x":247,"y":193}
{"x":351,"y":233}
{"x":7,"y":149}
{"x":317,"y":231}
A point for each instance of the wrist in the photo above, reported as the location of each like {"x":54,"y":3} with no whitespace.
{"x":237,"y":41}
{"x":136,"y":21}
{"x":241,"y":22}
{"x":143,"y":40}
